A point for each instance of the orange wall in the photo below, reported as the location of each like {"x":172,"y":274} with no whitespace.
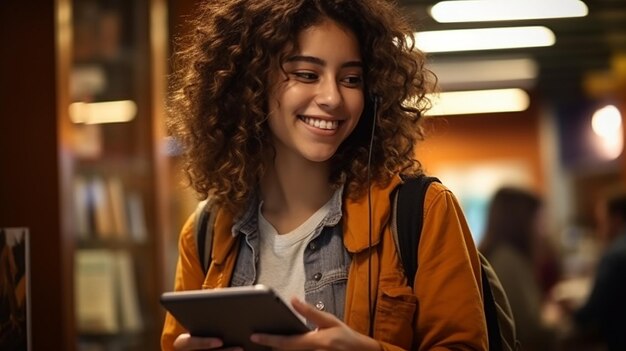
{"x":484,"y":138}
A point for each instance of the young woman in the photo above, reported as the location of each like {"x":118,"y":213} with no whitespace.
{"x":275,"y":104}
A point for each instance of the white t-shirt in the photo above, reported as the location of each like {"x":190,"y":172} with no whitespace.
{"x":281,"y":256}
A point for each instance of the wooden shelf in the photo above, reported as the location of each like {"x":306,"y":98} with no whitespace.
{"x":41,"y":155}
{"x":114,"y":172}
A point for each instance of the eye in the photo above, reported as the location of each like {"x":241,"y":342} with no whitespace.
{"x":305,"y":76}
{"x":352,"y":81}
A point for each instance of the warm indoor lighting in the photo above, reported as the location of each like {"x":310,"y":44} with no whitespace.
{"x":484,"y":39}
{"x":485,"y":73}
{"x":478,"y":101}
{"x":606,"y":121}
{"x":607,"y":125}
{"x":500,"y":10}
{"x":103,"y":112}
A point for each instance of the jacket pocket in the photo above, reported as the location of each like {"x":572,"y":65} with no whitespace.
{"x":395,"y":316}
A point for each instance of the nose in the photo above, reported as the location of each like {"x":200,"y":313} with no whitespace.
{"x":328,"y":94}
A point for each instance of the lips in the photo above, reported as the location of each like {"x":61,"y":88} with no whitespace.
{"x":320,"y":123}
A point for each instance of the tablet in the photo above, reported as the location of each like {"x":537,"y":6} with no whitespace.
{"x":233,"y":314}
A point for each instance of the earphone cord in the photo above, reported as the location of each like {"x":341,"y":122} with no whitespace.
{"x":369,"y":219}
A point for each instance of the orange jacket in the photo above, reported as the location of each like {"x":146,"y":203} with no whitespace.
{"x":445,"y":310}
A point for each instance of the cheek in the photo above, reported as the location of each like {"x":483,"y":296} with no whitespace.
{"x":290,"y":97}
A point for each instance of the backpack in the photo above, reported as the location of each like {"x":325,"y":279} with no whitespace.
{"x":406,"y":221}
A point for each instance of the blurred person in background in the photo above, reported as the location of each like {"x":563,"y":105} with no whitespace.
{"x":548,"y":267}
{"x":601,"y":320}
{"x":514,"y":232}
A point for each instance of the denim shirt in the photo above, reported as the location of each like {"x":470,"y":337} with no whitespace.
{"x":326,"y":260}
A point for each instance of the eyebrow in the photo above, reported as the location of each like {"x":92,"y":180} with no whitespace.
{"x":319,"y":61}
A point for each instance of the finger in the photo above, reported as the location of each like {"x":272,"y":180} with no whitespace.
{"x":294,"y":342}
{"x":319,"y":318}
{"x":188,"y":342}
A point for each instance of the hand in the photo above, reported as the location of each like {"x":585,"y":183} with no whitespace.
{"x":186,"y":342}
{"x":331,"y":334}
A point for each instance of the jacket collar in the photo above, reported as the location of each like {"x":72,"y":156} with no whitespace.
{"x":223,"y":240}
{"x":355,"y":222}
{"x":356,"y":216}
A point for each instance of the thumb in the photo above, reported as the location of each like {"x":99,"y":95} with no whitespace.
{"x":320,"y":318}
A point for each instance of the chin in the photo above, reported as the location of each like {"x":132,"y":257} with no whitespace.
{"x":320,"y":157}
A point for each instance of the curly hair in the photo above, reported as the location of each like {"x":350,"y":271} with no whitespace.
{"x":218,"y":107}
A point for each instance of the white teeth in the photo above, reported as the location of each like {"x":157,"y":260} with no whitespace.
{"x":320,"y":123}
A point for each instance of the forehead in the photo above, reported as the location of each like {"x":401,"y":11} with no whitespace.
{"x":328,"y":38}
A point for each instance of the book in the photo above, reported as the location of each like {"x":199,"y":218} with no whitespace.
{"x":82,"y":206}
{"x":102,"y":210}
{"x":117,"y":201}
{"x":130,"y":313}
{"x":107,"y":299}
{"x":96,"y":291}
{"x":136,"y":217}
{"x":105,"y":209}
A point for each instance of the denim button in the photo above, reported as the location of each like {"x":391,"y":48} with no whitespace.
{"x":313,"y":246}
{"x":319,"y":305}
{"x":317,"y":276}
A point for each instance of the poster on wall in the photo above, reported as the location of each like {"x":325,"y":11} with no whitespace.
{"x":474,"y":184}
{"x":14,"y":290}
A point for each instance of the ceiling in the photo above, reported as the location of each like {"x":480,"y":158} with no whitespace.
{"x":583,"y":44}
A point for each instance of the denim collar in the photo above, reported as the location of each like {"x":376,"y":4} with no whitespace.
{"x":247,"y":223}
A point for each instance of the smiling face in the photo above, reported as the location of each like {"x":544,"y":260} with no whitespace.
{"x":316,"y":106}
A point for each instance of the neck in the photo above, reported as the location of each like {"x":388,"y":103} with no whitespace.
{"x":292,"y":189}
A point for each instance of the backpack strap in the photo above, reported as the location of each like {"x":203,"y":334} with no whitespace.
{"x":498,"y":309}
{"x":407,"y":220}
{"x":490,"y":308}
{"x":408,"y":214}
{"x":203,"y":230}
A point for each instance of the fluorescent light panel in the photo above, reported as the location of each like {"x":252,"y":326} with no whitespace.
{"x":484,"y":39}
{"x":484,"y":71}
{"x":103,"y":112}
{"x":478,"y":101}
{"x":501,"y":10}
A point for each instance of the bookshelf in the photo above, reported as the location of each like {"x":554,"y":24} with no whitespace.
{"x":51,"y":60}
{"x":114,"y":170}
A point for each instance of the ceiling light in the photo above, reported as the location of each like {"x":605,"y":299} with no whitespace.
{"x":607,"y":125}
{"x":607,"y":121}
{"x":476,"y":73}
{"x":103,"y":112}
{"x":484,"y":39}
{"x":478,"y":101}
{"x":499,"y":10}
